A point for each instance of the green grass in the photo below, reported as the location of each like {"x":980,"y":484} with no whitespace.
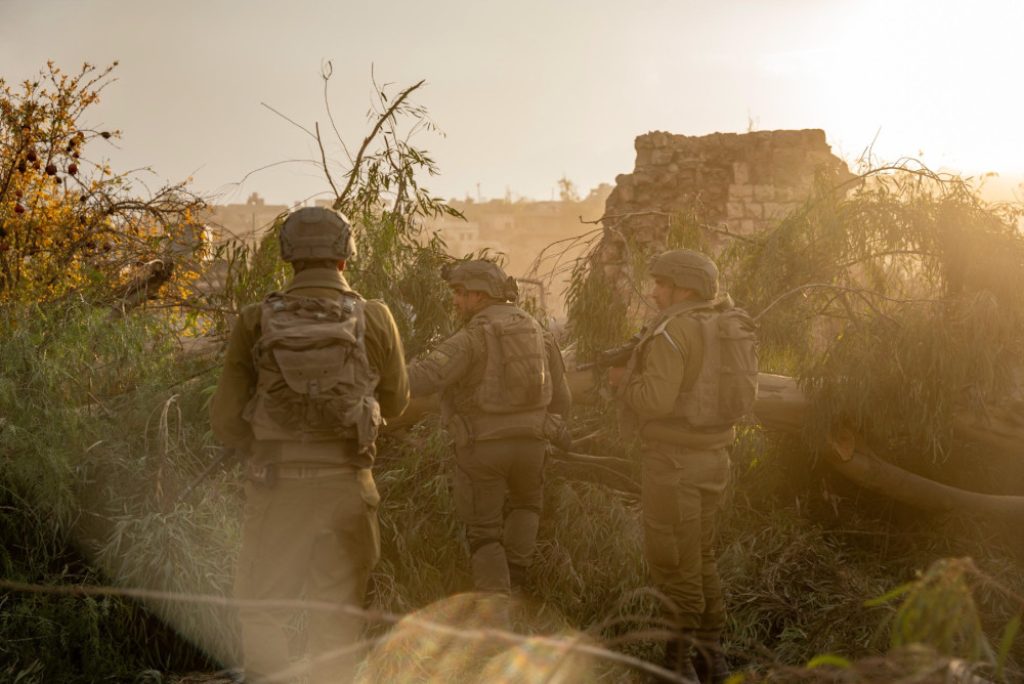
{"x":104,"y":422}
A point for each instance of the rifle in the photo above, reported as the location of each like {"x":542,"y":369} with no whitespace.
{"x":226,"y":456}
{"x":614,"y":357}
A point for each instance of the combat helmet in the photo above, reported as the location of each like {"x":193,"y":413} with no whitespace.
{"x":480,"y":275}
{"x":687,"y":269}
{"x":313,"y":233}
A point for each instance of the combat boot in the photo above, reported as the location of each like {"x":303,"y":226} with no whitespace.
{"x":679,"y":656}
{"x":517,"y":579}
{"x":709,"y":662}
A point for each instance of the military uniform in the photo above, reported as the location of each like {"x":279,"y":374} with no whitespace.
{"x":310,"y":524}
{"x":670,"y":397}
{"x":684,"y":473}
{"x":499,"y":456}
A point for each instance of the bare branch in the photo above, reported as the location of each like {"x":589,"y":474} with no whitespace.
{"x":323,"y":160}
{"x":354,"y":172}
{"x":326,"y":71}
{"x":270,"y":166}
{"x":864,"y":294}
{"x":291,"y":121}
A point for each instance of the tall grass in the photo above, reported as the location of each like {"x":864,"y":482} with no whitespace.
{"x":76,"y":395}
{"x":120,"y":420}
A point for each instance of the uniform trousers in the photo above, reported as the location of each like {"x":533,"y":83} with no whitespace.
{"x":681,"y":494}
{"x":312,"y":538}
{"x":499,"y":490}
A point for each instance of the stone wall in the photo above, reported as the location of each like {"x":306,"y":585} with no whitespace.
{"x":739,"y":182}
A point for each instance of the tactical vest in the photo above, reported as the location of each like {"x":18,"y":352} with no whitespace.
{"x":508,"y":393}
{"x":314,"y":380}
{"x":725,"y":386}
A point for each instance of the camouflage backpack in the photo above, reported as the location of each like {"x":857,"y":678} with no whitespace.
{"x":726,"y":386}
{"x":516,"y":376}
{"x":314,"y":381}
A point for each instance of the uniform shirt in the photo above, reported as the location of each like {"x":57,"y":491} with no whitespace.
{"x":238,"y":379}
{"x":458,"y":362}
{"x":667,"y":364}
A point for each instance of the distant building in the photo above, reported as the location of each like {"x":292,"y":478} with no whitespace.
{"x":518,"y":229}
{"x":246,"y":222}
{"x":523,"y":231}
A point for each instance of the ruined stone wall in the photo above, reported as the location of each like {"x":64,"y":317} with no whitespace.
{"x":739,"y":182}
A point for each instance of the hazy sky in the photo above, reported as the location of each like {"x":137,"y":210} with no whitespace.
{"x":529,"y":91}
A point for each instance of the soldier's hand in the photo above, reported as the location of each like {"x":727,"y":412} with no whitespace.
{"x":615,"y":374}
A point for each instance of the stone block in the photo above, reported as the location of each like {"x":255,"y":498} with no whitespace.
{"x":731,"y":141}
{"x":661,"y":155}
{"x":737,"y":191}
{"x":814,"y":137}
{"x":643,"y":177}
{"x":740,"y":173}
{"x":753,"y":210}
{"x":787,"y":139}
{"x":717,"y":175}
{"x":734,"y":209}
{"x":764,"y":193}
{"x":776,"y":210}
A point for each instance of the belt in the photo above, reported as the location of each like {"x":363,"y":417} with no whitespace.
{"x":271,"y":472}
{"x":334,"y":450}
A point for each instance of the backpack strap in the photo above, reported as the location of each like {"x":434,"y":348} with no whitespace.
{"x":662,"y":329}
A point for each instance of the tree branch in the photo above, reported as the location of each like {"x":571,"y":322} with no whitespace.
{"x":354,"y":172}
{"x":323,"y":160}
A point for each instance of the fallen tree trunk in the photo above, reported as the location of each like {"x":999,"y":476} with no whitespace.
{"x":781,"y":405}
{"x":861,"y":465}
{"x":597,"y":469}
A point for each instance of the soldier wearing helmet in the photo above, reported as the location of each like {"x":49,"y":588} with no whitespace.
{"x":308,"y":374}
{"x":503,"y":391}
{"x":663,"y":392}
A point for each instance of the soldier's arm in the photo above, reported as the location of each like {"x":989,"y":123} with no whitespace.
{"x":561,"y":396}
{"x":443,"y":366}
{"x":237,"y":384}
{"x":652,"y":390}
{"x":386,"y":354}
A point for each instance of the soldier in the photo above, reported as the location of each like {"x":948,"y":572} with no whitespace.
{"x":692,"y":375}
{"x":503,"y":390}
{"x":308,"y":375}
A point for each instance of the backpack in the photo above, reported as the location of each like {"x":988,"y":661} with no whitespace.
{"x":516,"y":376}
{"x":314,"y":380}
{"x":726,"y":386}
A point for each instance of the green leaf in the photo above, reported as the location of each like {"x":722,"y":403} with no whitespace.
{"x":1005,"y":643}
{"x":828,"y":660}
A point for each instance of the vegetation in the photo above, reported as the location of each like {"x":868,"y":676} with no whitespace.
{"x":69,"y":224}
{"x":103,"y":423}
{"x":892,"y":301}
